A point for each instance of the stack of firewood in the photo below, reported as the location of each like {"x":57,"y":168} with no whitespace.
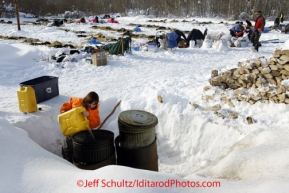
{"x":266,"y":78}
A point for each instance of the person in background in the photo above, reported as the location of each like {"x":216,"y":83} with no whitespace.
{"x":94,"y":20}
{"x":195,"y":35}
{"x":180,"y":35}
{"x":81,"y":20}
{"x":276,"y":22}
{"x":249,"y":23}
{"x":237,"y":30}
{"x":258,"y":29}
{"x":91,"y":103}
{"x":281,"y":17}
{"x":248,"y":29}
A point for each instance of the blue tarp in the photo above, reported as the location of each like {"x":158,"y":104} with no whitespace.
{"x":94,"y":41}
{"x":136,"y":29}
{"x":266,"y":30}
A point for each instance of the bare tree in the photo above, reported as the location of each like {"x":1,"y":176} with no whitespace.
{"x":202,"y":8}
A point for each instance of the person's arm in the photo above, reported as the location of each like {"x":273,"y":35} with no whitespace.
{"x":65,"y":107}
{"x":94,"y":119}
{"x":263,"y":23}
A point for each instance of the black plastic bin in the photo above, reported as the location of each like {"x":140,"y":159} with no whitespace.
{"x":45,"y":87}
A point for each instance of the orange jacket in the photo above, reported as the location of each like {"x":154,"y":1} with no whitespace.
{"x":94,"y":119}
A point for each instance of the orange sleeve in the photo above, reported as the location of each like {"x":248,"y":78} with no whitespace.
{"x":94,"y":119}
{"x":73,"y":102}
{"x":66,"y":107}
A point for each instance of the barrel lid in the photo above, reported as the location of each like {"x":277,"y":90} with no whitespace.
{"x":138,"y":118}
{"x":100,"y":135}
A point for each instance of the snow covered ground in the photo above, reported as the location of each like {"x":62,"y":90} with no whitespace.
{"x":193,"y":144}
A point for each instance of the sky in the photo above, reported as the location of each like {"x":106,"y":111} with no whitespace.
{"x":194,"y":145}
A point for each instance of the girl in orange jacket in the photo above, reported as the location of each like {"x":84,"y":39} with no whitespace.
{"x":90,"y":103}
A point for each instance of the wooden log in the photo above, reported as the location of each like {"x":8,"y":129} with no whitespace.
{"x":286,"y":67}
{"x":244,"y":77}
{"x":267,"y":89}
{"x":284,"y":58}
{"x":253,"y":78}
{"x":280,"y":66}
{"x":236,"y":73}
{"x":257,"y":62}
{"x":272,"y":81}
{"x":284,"y":72}
{"x":240,"y":64}
{"x":241,"y":98}
{"x":284,"y":52}
{"x":233,"y":86}
{"x":255,"y":71}
{"x":276,"y":54}
{"x":233,"y":115}
{"x":281,"y":97}
{"x":278,"y":81}
{"x":282,"y":62}
{"x":262,"y":71}
{"x":223,"y":85}
{"x":263,"y":94}
{"x":272,"y":59}
{"x":214,"y":73}
{"x":249,"y":85}
{"x":230,"y":81}
{"x":284,"y":77}
{"x":273,"y":67}
{"x":228,"y":75}
{"x":244,"y":71}
{"x":281,"y":89}
{"x":213,"y":82}
{"x":238,"y":92}
{"x":258,"y":83}
{"x":268,"y":76}
{"x":206,"y":88}
{"x":209,"y":97}
{"x":275,"y":73}
{"x":254,"y":97}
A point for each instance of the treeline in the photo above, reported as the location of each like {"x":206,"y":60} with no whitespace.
{"x":161,"y":8}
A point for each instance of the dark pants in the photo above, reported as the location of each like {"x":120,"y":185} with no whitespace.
{"x":255,"y":39}
{"x":232,"y":33}
{"x":67,"y":148}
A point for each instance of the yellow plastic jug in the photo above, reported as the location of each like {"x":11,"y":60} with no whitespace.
{"x":27,"y":99}
{"x":73,"y":121}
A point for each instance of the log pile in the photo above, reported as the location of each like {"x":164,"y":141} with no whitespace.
{"x":266,"y":78}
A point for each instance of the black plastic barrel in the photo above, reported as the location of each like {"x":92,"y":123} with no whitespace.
{"x":109,"y":161}
{"x":88,"y":151}
{"x":136,"y":128}
{"x":141,"y":158}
